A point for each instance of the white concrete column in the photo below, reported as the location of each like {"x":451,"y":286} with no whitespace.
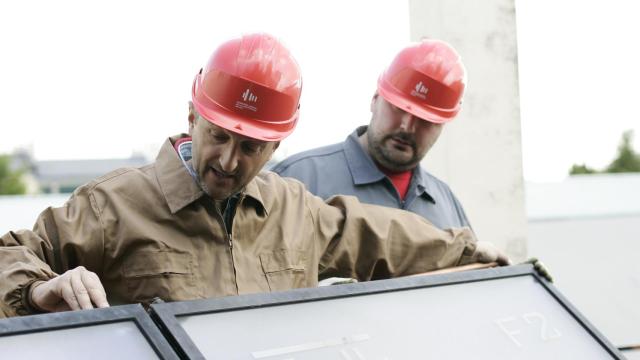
{"x":479,"y":154}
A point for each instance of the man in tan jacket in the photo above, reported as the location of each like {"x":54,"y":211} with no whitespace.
{"x":203,"y":221}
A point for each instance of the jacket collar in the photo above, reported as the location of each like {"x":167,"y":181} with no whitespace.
{"x":252,"y":191}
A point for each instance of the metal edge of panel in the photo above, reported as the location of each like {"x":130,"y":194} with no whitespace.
{"x":154,"y":336}
{"x":167,"y":322}
{"x":166,"y":314}
{"x":84,"y":318}
{"x":579,"y":317}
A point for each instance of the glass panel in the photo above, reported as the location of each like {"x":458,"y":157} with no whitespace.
{"x":121,"y":340}
{"x":513,"y":318}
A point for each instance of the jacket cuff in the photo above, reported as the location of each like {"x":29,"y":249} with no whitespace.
{"x":21,"y":304}
{"x":468,"y":254}
{"x":26,"y":297}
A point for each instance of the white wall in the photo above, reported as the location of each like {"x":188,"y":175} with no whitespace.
{"x":594,"y":262}
{"x":479,"y":154}
{"x":585,"y":229}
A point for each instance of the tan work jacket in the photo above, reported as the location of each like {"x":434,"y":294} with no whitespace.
{"x":152,"y":232}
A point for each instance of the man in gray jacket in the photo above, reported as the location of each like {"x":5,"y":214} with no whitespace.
{"x":419,"y":92}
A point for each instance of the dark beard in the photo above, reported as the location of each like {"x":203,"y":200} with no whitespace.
{"x":385,"y":158}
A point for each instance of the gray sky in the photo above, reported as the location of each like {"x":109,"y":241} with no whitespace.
{"x":83,"y":79}
{"x":579,"y":70}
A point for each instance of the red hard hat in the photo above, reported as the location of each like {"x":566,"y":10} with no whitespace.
{"x":426,"y":79}
{"x":251,"y":86}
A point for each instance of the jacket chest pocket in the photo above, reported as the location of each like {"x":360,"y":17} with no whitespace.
{"x":284,"y":269}
{"x":160,"y":273}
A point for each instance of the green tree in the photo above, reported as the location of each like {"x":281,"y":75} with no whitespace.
{"x":581,"y":169}
{"x":627,"y":160}
{"x":10,"y":181}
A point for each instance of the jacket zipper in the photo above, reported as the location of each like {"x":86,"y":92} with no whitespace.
{"x":226,"y":232}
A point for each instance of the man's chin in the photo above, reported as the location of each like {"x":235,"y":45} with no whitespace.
{"x":399,"y":155}
{"x":399,"y":160}
{"x":219,"y":194}
{"x":398,"y":164}
{"x":214,"y":192}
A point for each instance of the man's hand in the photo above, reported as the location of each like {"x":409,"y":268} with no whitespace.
{"x":486,"y":252}
{"x":76,"y":289}
{"x":540,"y":268}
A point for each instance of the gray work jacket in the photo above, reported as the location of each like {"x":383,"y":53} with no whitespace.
{"x":346,"y":168}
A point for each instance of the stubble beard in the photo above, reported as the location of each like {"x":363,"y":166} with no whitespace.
{"x":202,"y":184}
{"x":386,"y":157}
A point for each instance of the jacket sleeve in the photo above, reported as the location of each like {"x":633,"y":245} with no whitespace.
{"x":62,"y":238}
{"x":369,"y":242}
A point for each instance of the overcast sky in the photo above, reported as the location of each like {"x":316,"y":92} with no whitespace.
{"x":579,"y":64}
{"x":84,"y":79}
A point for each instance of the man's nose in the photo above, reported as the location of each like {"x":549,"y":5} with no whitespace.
{"x":229,"y":159}
{"x":408,"y":122}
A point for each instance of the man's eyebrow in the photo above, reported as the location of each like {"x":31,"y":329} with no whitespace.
{"x":253,"y":141}
{"x":257,"y":143}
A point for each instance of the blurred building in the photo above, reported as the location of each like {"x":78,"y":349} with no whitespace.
{"x":63,"y":176}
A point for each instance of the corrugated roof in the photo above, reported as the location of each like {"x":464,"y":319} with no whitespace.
{"x":81,"y":170}
{"x":596,"y":195}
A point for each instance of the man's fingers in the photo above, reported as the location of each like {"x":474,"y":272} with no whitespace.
{"x":66,"y":292}
{"x":484,"y":252}
{"x":487,"y":252}
{"x":76,"y":289}
{"x":540,"y":268}
{"x":79,"y":289}
{"x":502,"y":259}
{"x":95,"y":289}
{"x":61,"y":306}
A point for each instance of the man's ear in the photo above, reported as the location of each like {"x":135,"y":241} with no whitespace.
{"x":192,"y":118}
{"x":373,"y":100}
{"x":275,"y":147}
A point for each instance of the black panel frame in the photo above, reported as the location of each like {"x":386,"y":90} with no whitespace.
{"x":83,"y":318}
{"x":166,"y":314}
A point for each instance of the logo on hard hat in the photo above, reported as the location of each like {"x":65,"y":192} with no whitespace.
{"x":420,"y":91}
{"x":248,"y":97}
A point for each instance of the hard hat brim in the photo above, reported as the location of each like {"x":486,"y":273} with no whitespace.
{"x":242,"y":125}
{"x":398,"y":99}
